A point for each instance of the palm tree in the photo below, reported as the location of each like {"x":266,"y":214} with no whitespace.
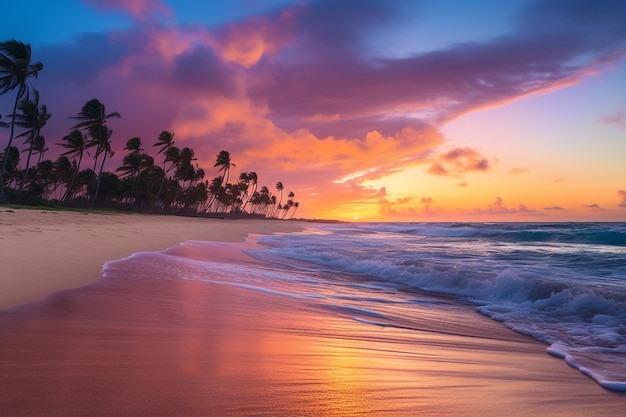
{"x":76,"y":144}
{"x":92,"y":119}
{"x":103,"y":145}
{"x":33,"y":118}
{"x":11,"y":159}
{"x":165,"y":142}
{"x":15,"y":70}
{"x":295,"y":205}
{"x":133,"y":145}
{"x":289,"y":205}
{"x":63,"y":172}
{"x":280,"y":187}
{"x":39,"y":147}
{"x":185,"y":171}
{"x":223,"y":161}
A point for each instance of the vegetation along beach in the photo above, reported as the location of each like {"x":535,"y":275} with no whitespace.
{"x":313,"y":208}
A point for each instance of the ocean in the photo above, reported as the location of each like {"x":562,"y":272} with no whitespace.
{"x":561,"y":283}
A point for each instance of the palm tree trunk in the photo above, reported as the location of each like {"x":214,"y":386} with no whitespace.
{"x":70,"y":191}
{"x":95,"y":197}
{"x":6,"y":153}
{"x":25,"y":177}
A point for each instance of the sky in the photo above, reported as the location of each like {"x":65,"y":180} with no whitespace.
{"x":369,"y":110}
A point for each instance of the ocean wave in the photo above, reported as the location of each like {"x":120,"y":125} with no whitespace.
{"x":611,"y":234}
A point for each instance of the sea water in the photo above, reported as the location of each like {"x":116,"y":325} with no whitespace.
{"x":563,"y":284}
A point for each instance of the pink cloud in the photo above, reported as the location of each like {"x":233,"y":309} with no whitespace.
{"x":499,"y":208}
{"x":594,"y":206}
{"x":459,"y":161}
{"x":616,"y":119}
{"x":403,"y":208}
{"x":518,"y":171}
{"x":246,"y":43}
{"x":622,"y":196}
{"x":138,"y":8}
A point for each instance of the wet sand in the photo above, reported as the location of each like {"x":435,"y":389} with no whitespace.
{"x":189,"y":348}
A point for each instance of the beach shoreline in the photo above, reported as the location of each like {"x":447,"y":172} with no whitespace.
{"x":43,"y":251}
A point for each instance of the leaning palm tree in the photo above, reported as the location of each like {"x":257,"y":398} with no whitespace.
{"x":223,"y":161}
{"x":39,"y":147}
{"x":249,"y":179}
{"x":133,"y":145}
{"x":11,"y":159}
{"x":280,"y":187}
{"x":92,"y":119}
{"x":103,"y":138}
{"x":31,"y":117}
{"x":15,"y":71}
{"x":165,"y":142}
{"x":76,"y":145}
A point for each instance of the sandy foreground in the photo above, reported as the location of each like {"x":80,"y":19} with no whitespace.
{"x":122,"y":347}
{"x":45,"y":251}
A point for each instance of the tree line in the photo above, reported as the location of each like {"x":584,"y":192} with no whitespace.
{"x":173,"y":184}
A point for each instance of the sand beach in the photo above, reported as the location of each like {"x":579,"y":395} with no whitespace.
{"x":45,"y":251}
{"x":72,"y":344}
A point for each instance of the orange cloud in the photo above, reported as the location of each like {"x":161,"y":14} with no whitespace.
{"x":403,"y":208}
{"x":458,"y":161}
{"x":245,"y":43}
{"x":518,"y":171}
{"x":499,"y":208}
{"x":622,"y":196}
{"x":382,"y":155}
{"x":594,"y":206}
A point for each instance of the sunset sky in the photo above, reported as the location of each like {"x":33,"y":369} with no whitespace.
{"x":425,"y":110}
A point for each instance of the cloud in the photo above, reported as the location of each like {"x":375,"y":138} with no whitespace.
{"x":462,"y":184}
{"x":518,"y":171}
{"x":426,"y":200}
{"x":344,"y":77}
{"x":555,"y":208}
{"x":404,"y":208}
{"x":616,"y":119}
{"x":459,"y":161}
{"x":246,"y":43}
{"x":594,"y":206}
{"x":622,"y":196}
{"x":140,"y":9}
{"x":499,"y":208}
